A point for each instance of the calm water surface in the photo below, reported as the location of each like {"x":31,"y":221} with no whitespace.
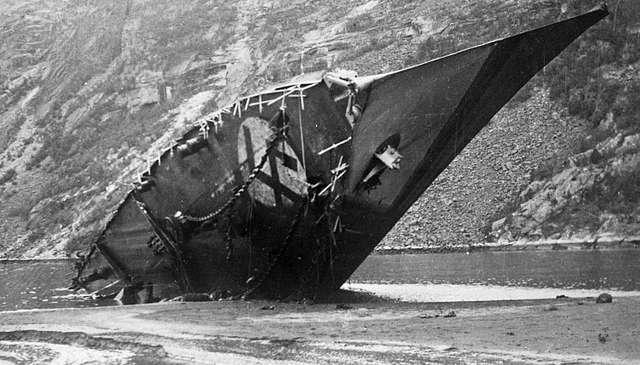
{"x":43,"y":284}
{"x":603,"y":269}
{"x":40,"y":284}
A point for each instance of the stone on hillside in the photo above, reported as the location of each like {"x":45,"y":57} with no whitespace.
{"x":607,"y":148}
{"x":533,"y":188}
{"x":145,"y":95}
{"x":76,"y":118}
{"x":544,"y":211}
{"x":588,"y":157}
{"x":146,"y":90}
{"x":575,"y":180}
{"x":608,"y":123}
{"x":630,"y":144}
{"x":608,"y":222}
{"x":16,"y":84}
{"x":48,"y":164}
{"x":549,"y":199}
{"x":596,"y":157}
{"x":497,"y":225}
{"x":564,"y":175}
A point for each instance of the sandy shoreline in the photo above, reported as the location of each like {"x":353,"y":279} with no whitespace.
{"x":360,"y":331}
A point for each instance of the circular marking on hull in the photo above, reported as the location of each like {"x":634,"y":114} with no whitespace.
{"x":281,"y":180}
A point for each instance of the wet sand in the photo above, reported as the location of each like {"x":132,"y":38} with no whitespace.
{"x":361,"y":329}
{"x":473,"y":293}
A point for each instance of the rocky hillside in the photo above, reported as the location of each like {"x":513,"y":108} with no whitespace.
{"x":92,"y":90}
{"x":596,"y":196}
{"x":559,"y":162}
{"x":595,"y":192}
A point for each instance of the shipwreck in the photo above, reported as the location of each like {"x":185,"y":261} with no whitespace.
{"x":284,"y":193}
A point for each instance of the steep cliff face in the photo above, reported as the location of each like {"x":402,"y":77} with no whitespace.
{"x":533,"y":173}
{"x":593,"y":193}
{"x":488,"y":173}
{"x":90,"y":91}
{"x":596,"y":196}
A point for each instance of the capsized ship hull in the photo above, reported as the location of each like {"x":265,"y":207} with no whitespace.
{"x":286,"y":192}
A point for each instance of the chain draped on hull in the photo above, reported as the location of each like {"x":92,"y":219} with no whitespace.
{"x":284,"y":193}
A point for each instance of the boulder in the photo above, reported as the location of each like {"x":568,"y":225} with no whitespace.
{"x":607,"y":148}
{"x":604,"y":298}
{"x":586,"y":158}
{"x":144,"y":95}
{"x":497,"y":225}
{"x":630,"y":144}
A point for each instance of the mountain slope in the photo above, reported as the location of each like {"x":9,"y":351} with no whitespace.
{"x":91,"y":91}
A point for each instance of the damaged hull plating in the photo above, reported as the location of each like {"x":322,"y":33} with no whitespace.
{"x":286,"y":192}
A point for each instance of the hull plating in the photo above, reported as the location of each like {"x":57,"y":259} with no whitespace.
{"x":281,"y":195}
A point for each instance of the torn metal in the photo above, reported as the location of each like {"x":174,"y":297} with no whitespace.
{"x":287,"y":196}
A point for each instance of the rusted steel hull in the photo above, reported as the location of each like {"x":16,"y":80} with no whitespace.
{"x":286,"y":192}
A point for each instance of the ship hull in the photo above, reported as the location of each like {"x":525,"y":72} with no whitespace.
{"x":286,"y":192}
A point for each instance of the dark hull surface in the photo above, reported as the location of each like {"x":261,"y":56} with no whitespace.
{"x":281,"y":195}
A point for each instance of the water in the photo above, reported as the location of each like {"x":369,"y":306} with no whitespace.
{"x":429,"y":277}
{"x":39,"y":284}
{"x":601,"y":269}
{"x":486,"y":276}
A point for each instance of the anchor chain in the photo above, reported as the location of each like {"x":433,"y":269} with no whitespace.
{"x":227,"y":236}
{"x":155,"y":244}
{"x":272,"y":143}
{"x":283,"y":247}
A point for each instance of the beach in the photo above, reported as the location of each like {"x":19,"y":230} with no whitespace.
{"x":353,"y":328}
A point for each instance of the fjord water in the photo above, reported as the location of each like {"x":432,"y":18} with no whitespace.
{"x":510,"y":275}
{"x":592,"y":269}
{"x":431,"y":277}
{"x":39,"y":284}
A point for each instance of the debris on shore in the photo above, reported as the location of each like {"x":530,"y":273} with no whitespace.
{"x":604,"y":298}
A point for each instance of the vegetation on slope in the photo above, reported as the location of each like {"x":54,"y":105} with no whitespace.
{"x":89,"y":91}
{"x":597,"y":80}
